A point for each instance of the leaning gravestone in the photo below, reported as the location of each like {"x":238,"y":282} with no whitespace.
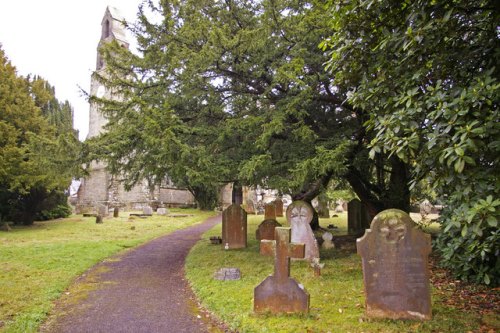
{"x":396,"y":276}
{"x":147,"y":211}
{"x":299,"y":216}
{"x":358,"y":219}
{"x":278,"y":206}
{"x":279,"y":293}
{"x":234,"y":227}
{"x":270,"y":211}
{"x":266,"y":230}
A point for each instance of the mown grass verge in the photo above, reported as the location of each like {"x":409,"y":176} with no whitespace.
{"x":336,"y":297}
{"x":38,"y":263}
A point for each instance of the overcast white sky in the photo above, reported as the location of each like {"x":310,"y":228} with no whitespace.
{"x":57,"y":40}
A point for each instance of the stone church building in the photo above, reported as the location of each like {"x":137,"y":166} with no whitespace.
{"x":100,"y":188}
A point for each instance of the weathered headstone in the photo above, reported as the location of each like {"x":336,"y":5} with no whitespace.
{"x":250,"y":206}
{"x":102,"y":210}
{"x":327,"y":241}
{"x":162,"y":211}
{"x":279,"y":293}
{"x":270,"y":211}
{"x":147,"y":211}
{"x":358,"y":219}
{"x":116,"y":212}
{"x":278,"y":205}
{"x":234,"y":227}
{"x":299,"y":216}
{"x":98,"y":219}
{"x":228,"y":274}
{"x":265,"y":230}
{"x":396,"y":276}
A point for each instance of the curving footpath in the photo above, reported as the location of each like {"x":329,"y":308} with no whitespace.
{"x":143,"y":290}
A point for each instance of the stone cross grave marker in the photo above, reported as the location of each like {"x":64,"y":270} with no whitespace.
{"x":270,"y":211}
{"x":396,"y":276}
{"x":299,"y":216}
{"x":266,"y":230}
{"x":278,"y":205}
{"x":234,"y":227}
{"x":279,"y":293}
{"x":358,"y":219}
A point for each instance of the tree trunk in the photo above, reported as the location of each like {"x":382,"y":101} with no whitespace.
{"x":205,"y":196}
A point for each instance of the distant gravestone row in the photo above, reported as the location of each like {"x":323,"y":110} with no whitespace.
{"x":394,"y":257}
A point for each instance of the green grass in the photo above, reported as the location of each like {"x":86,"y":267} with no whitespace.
{"x":336,"y":297}
{"x":39,"y":262}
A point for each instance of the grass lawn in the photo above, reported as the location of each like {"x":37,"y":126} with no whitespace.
{"x":39,"y":262}
{"x":336,"y":297}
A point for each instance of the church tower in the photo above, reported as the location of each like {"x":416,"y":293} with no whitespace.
{"x":111,"y":29}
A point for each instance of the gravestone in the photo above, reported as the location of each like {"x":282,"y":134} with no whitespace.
{"x":116,"y":212}
{"x":396,"y":276}
{"x":279,"y":293}
{"x":228,"y":274}
{"x":270,"y":211}
{"x":339,"y":209}
{"x":327,"y":241}
{"x":299,"y":216}
{"x":250,"y":207}
{"x":358,"y":219}
{"x":266,"y":230}
{"x":162,"y":211}
{"x":278,"y":205}
{"x":234,"y":227}
{"x":102,"y":210}
{"x":98,"y":219}
{"x":147,"y":211}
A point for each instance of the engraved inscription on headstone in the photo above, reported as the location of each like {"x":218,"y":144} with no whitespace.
{"x":299,"y":215}
{"x":279,"y":293}
{"x":395,"y":272}
{"x":228,"y":274}
{"x":234,"y":227}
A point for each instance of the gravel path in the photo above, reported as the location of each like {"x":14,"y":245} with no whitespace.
{"x":143,"y":290}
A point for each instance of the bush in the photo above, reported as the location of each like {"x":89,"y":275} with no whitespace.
{"x":60,"y":211}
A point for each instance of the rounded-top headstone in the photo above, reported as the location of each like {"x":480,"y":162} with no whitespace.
{"x":299,"y":216}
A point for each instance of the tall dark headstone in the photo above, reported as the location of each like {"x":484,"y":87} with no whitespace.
{"x":358,"y":218}
{"x":279,"y":293}
{"x":270,"y":211}
{"x":278,"y":204}
{"x":396,"y":276}
{"x":234,"y":227}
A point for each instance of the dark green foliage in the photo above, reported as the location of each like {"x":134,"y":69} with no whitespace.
{"x":38,"y":147}
{"x":427,"y":76}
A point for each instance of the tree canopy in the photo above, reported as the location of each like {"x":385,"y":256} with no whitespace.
{"x":427,"y":76}
{"x":37,"y":160}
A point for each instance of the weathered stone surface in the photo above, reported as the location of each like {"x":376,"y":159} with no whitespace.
{"x":396,"y":276}
{"x":299,"y":216}
{"x":327,"y":241}
{"x":228,"y":274}
{"x":358,"y":219}
{"x":266,"y":229}
{"x":278,"y":205}
{"x":250,"y":206}
{"x":162,"y":211}
{"x":234,"y":227}
{"x":279,"y":293}
{"x":147,"y":211}
{"x":102,"y":210}
{"x":270,"y":211}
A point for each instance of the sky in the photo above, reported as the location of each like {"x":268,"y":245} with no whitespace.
{"x":57,"y":40}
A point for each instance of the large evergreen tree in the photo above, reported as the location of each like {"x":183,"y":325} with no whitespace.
{"x":236,"y":91}
{"x":36,"y":165}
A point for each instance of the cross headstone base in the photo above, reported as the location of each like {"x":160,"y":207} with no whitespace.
{"x":280,"y":297}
